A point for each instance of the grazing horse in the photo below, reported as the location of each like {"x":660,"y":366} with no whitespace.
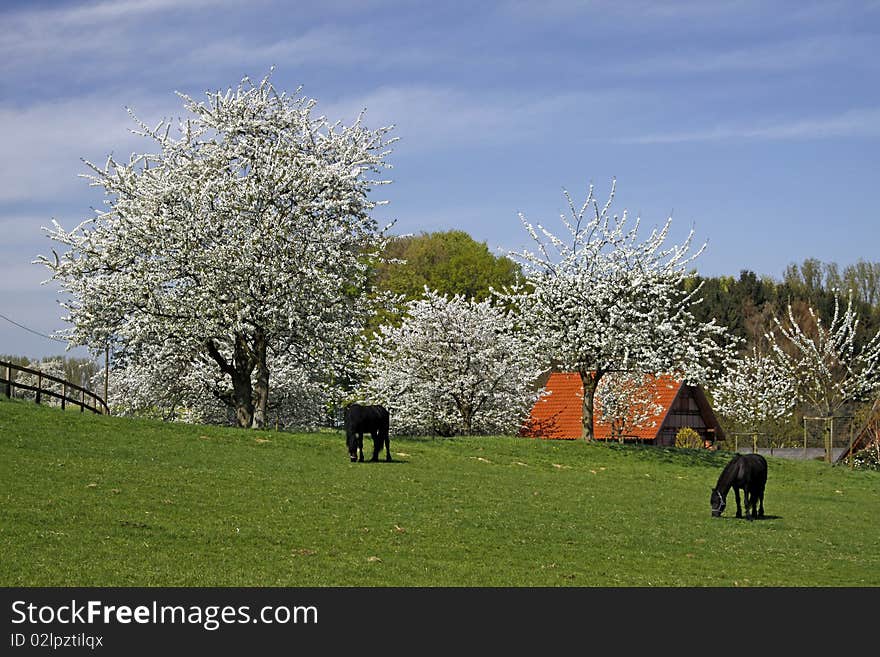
{"x":749,"y":473}
{"x":361,"y":419}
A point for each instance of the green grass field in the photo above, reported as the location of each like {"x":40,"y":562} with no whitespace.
{"x":103,"y":501}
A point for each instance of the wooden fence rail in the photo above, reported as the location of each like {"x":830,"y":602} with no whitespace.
{"x":70,"y":392}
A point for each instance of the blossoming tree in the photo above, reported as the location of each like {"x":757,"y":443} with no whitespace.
{"x":627,"y":402}
{"x":826,"y":365}
{"x":599,"y":300}
{"x":242,"y":238}
{"x":755,"y":390}
{"x":177,"y":387}
{"x":453,"y":365}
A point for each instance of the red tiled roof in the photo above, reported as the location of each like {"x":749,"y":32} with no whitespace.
{"x":558,"y":414}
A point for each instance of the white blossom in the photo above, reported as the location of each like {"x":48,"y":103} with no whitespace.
{"x":51,"y":366}
{"x":195,"y":391}
{"x":453,"y":366}
{"x":242,"y":240}
{"x":627,"y":402}
{"x":755,"y":390}
{"x":826,"y":365}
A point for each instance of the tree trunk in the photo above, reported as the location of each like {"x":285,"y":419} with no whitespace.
{"x":617,"y":427}
{"x":467,"y":418}
{"x":590,"y":381}
{"x":242,"y":388}
{"x":261,"y":386}
{"x":239,"y":371}
{"x":242,"y":398}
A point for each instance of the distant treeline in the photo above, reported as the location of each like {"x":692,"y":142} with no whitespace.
{"x":748,"y":304}
{"x":452,"y":262}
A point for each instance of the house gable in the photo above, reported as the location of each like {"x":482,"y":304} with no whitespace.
{"x":558,"y":414}
{"x":690,"y":408}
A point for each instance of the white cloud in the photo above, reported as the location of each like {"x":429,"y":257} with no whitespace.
{"x":106,"y":39}
{"x":854,"y":123}
{"x":43,"y":143}
{"x":96,"y":13}
{"x":770,"y":57}
{"x":19,"y":228}
{"x":325,"y":45}
{"x":633,"y":14}
{"x":39,"y":312}
{"x":437,"y":117}
{"x":65,"y":37}
{"x":22,"y":276}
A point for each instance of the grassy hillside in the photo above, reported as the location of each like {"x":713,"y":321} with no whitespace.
{"x":101,"y":501}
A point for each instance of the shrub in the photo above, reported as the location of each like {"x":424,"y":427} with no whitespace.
{"x":688,"y":438}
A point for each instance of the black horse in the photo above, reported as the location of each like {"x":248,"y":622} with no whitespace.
{"x":360,"y":419}
{"x":749,"y":473}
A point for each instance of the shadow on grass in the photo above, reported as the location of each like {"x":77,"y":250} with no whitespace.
{"x":379,"y":462}
{"x":743,"y":519}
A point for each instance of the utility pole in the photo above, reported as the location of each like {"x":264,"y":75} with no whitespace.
{"x":106,"y":370}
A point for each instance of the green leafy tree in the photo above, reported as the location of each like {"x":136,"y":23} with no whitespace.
{"x":449,"y":262}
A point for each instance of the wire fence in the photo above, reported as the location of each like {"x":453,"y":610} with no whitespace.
{"x":823,"y":438}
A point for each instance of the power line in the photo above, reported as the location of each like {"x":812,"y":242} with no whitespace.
{"x":22,"y":326}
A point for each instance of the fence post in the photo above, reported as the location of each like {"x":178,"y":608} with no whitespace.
{"x":39,"y":387}
{"x":849,"y":451}
{"x":106,"y":370}
{"x":82,"y":399}
{"x":63,"y":395}
{"x":805,"y":437}
{"x":828,"y":458}
{"x":8,"y":385}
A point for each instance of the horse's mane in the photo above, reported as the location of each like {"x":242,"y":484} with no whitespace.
{"x":727,"y":472}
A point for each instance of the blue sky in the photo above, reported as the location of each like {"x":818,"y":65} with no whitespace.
{"x":757,"y":124}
